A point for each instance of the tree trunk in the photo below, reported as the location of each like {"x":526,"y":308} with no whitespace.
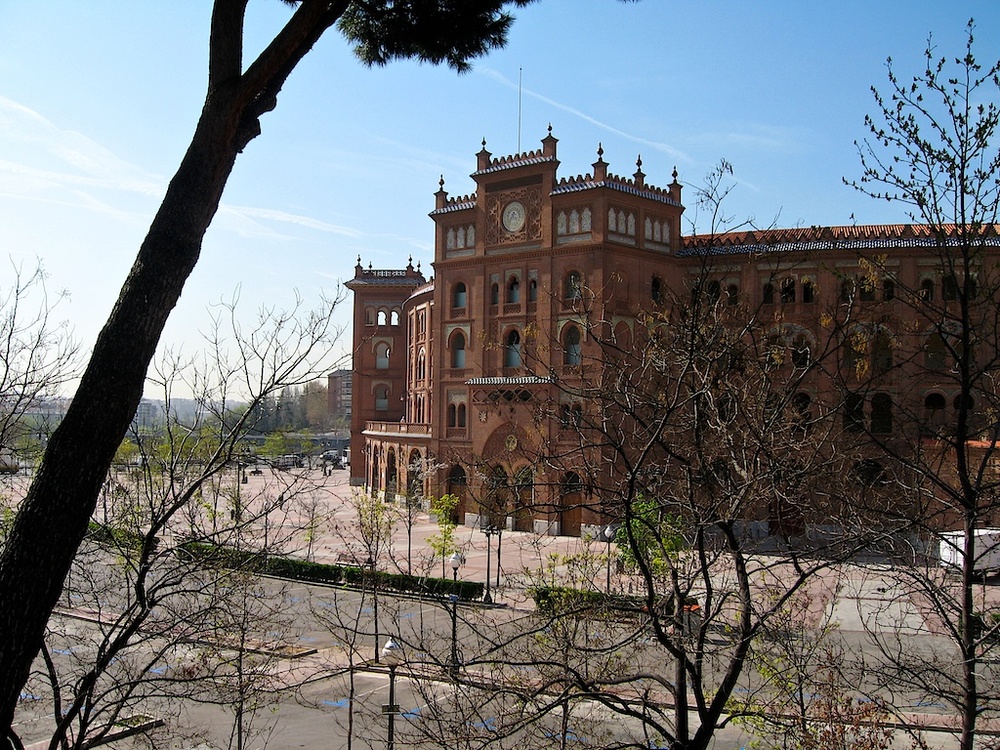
{"x":53,"y":518}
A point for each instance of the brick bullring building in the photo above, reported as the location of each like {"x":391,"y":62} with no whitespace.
{"x":450,"y":371}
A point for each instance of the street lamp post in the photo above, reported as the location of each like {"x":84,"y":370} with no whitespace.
{"x":609,"y":536}
{"x":456,"y":562}
{"x":392,"y":657}
{"x":488,"y":531}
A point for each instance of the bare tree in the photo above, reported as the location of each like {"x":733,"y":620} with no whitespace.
{"x":37,"y":357}
{"x":52,"y":521}
{"x":932,"y":148}
{"x":166,"y":615}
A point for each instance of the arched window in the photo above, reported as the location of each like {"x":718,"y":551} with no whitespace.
{"x":732,"y":294}
{"x":382,"y":398}
{"x":881,"y":414}
{"x":421,"y":365}
{"x":714,"y":292}
{"x":767,"y":294}
{"x":949,"y":287}
{"x":854,"y":412}
{"x":383,"y":317}
{"x":382,"y":356}
{"x":808,"y":291}
{"x":802,"y":404}
{"x":935,"y":352}
{"x":458,"y":350}
{"x":846,"y":290}
{"x":801,"y":352}
{"x":573,"y":289}
{"x":571,"y":346}
{"x":888,"y":290}
{"x":512,"y":350}
{"x":513,"y":291}
{"x":927,"y":290}
{"x":656,"y":290}
{"x":533,"y":290}
{"x":459,"y":295}
{"x":394,"y":318}
{"x":494,"y":294}
{"x":882,"y":352}
{"x":369,"y":316}
{"x":934,"y":402}
{"x":461,"y":415}
{"x":452,"y":415}
{"x":867,"y":292}
{"x":788,"y":291}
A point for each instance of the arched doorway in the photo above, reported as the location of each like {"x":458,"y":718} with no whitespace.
{"x":570,"y":504}
{"x":391,"y":475}
{"x":524,"y":497}
{"x":456,"y":485}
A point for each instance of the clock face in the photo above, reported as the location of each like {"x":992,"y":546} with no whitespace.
{"x":513,"y":216}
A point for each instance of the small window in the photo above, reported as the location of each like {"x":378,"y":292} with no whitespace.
{"x":801,"y":352}
{"x":767,"y":295}
{"x":512,"y":350}
{"x":382,"y":398}
{"x":881,"y":414}
{"x":382,"y":357}
{"x":888,"y":290}
{"x":854,"y":412}
{"x":571,"y":346}
{"x":934,"y":402}
{"x":882,"y":353}
{"x":867,"y":293}
{"x":513,"y":291}
{"x":714,"y":292}
{"x":495,"y":294}
{"x":383,"y":317}
{"x":459,"y":296}
{"x":458,"y":350}
{"x":935,"y":352}
{"x":574,"y":286}
{"x":656,"y":290}
{"x":452,"y":415}
{"x":927,"y":290}
{"x":808,"y":292}
{"x":533,"y":291}
{"x":461,"y":415}
{"x":394,"y":318}
{"x":949,"y":287}
{"x":788,"y":291}
{"x":732,"y":294}
{"x":846,"y":290}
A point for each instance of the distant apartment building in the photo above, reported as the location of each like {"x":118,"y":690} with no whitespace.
{"x":339,"y":394}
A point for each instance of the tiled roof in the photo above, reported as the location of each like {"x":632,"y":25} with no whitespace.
{"x":577,"y":186}
{"x":517,"y":161}
{"x":510,"y":380}
{"x":857,"y":237}
{"x":383,"y":281}
{"x":464,"y":205}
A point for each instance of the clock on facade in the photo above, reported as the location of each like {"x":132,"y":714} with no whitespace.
{"x":513,"y":216}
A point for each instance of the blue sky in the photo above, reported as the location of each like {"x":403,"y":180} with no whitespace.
{"x":98,"y":101}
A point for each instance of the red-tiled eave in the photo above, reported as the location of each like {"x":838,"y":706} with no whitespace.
{"x":859,"y":236}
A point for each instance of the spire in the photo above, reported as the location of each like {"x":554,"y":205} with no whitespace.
{"x":640,"y":177}
{"x":600,"y":166}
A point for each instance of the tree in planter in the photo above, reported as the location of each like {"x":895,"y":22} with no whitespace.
{"x":150,"y":599}
{"x":443,"y":544}
{"x":933,"y":149}
{"x":52,"y":521}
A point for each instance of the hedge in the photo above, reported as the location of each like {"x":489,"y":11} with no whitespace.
{"x":344,"y":575}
